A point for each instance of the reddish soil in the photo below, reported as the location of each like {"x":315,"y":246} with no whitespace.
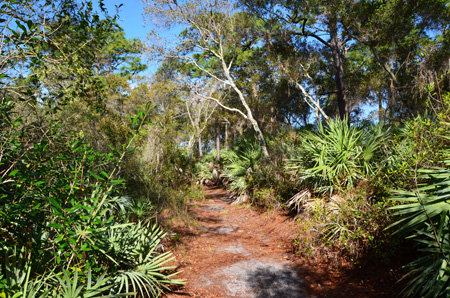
{"x":235,"y":251}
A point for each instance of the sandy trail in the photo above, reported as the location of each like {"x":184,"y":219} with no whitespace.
{"x":234,"y":251}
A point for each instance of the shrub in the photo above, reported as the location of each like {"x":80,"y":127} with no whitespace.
{"x":240,"y":169}
{"x":348,"y":223}
{"x":62,"y":202}
{"x":337,"y":156}
{"x":415,"y":144}
{"x":425,"y":216}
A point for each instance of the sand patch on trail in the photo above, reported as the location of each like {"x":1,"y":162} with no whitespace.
{"x":234,"y":251}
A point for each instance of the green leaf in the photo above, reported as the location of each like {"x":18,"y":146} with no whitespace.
{"x":55,"y":203}
{"x":96,"y":176}
{"x":55,"y":225}
{"x":118,"y":181}
{"x":59,"y":238}
{"x":30,"y":25}
{"x":21,"y":26}
{"x":74,"y":144}
{"x":13,"y":173}
{"x":75,"y":208}
{"x":115,"y":151}
{"x":85,"y":247}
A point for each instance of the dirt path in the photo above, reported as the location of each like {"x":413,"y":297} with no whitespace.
{"x":237,"y":252}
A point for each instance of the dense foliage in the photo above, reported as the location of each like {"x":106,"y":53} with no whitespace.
{"x":69,"y":227}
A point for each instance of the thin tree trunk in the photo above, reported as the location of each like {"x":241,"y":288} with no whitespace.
{"x":381,"y":117}
{"x":217,"y":144}
{"x":339,"y":76}
{"x":226,"y":136}
{"x":390,"y":105}
{"x":200,"y":150}
{"x":259,"y":134}
{"x":191,"y":144}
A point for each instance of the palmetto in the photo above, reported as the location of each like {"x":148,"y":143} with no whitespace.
{"x":337,"y":156}
{"x":240,"y":168}
{"x":424,"y":214}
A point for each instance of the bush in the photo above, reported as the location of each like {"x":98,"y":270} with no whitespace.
{"x":338,"y":156}
{"x":425,"y":216}
{"x":347,"y":223}
{"x":241,"y":169}
{"x":63,"y":204}
{"x":415,"y":144}
{"x":337,"y":199}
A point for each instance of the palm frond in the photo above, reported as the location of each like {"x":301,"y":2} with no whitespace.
{"x":425,"y":214}
{"x":337,"y":156}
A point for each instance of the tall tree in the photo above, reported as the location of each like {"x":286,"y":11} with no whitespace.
{"x":369,"y":45}
{"x":215,"y":38}
{"x":199,"y":112}
{"x":319,"y":23}
{"x":401,"y":37}
{"x":41,"y":38}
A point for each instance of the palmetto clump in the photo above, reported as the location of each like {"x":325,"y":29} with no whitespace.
{"x":337,"y":156}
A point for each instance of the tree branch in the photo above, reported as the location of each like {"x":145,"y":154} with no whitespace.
{"x":304,"y":33}
{"x":220,"y":104}
{"x":317,"y":106}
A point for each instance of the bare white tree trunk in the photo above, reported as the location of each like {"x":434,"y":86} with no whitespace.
{"x":217,"y":144}
{"x":259,"y":134}
{"x":215,"y":36}
{"x":199,"y":118}
{"x":200,"y":148}
{"x":312,"y":102}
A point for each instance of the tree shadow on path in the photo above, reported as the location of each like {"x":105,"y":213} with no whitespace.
{"x":269,"y":282}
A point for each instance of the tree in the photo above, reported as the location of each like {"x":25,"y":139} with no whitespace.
{"x":28,"y":34}
{"x":297,"y":68}
{"x":199,"y":112}
{"x":215,"y":39}
{"x":371,"y":49}
{"x":402,"y":47}
{"x":320,"y":23}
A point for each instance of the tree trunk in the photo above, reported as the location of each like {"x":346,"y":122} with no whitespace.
{"x":259,"y":134}
{"x":217,"y":144}
{"x":391,"y":101}
{"x":260,"y":137}
{"x":339,"y":76}
{"x":381,"y":115}
{"x":226,"y":136}
{"x":200,"y":150}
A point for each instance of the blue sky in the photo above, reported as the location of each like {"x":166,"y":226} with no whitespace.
{"x":131,"y":17}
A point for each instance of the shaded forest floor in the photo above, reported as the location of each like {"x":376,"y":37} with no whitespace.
{"x":234,"y":251}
